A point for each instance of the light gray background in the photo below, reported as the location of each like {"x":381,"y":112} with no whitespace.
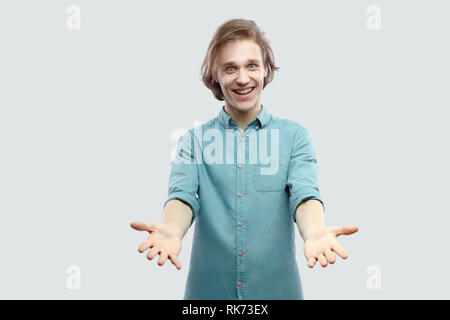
{"x":86,"y":119}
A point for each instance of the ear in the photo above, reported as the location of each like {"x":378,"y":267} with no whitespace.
{"x":214,"y":75}
{"x":266,"y":71}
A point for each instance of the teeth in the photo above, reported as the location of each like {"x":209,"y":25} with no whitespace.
{"x":244,"y":91}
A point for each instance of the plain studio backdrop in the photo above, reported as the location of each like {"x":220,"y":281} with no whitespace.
{"x":87,"y":117}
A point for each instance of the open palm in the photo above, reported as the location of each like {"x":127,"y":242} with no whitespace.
{"x":321,"y":244}
{"x":161,"y":241}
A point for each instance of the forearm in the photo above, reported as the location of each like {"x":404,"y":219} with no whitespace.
{"x":309,"y":217}
{"x":178,"y":216}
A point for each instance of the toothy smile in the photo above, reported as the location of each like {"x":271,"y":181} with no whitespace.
{"x":244,"y":91}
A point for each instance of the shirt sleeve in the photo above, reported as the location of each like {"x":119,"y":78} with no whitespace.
{"x":302,"y":173}
{"x":183,"y":179}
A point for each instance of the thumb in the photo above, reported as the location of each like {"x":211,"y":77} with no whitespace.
{"x":144,"y":226}
{"x":346,"y":230}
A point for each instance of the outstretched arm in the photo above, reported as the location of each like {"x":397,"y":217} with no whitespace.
{"x":320,"y":240}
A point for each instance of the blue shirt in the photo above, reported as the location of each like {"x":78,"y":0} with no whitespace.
{"x":243,"y":188}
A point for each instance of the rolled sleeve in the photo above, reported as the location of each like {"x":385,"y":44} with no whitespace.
{"x":183,"y":179}
{"x":302,"y":175}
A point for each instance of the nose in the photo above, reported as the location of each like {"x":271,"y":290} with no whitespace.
{"x":242,"y":78}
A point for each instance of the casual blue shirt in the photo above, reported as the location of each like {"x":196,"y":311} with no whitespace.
{"x":243,"y":188}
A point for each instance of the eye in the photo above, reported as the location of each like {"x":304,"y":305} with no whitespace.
{"x":228,"y":68}
{"x":252,"y":64}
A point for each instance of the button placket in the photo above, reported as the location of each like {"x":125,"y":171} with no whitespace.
{"x":241,"y":209}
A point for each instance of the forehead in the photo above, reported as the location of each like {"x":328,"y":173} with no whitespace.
{"x":238,"y":51}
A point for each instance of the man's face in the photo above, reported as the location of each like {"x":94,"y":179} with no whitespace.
{"x":239,"y":65}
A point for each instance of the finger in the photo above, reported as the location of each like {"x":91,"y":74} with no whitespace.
{"x":162,"y":258}
{"x":152,"y":253}
{"x":346,"y":230}
{"x":175,"y":261}
{"x":144,"y":226}
{"x":322,"y":260}
{"x":311,"y":262}
{"x":145,"y":245}
{"x":331,"y":257}
{"x":339,"y":250}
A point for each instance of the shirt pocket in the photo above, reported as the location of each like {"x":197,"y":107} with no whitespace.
{"x":270,"y":182}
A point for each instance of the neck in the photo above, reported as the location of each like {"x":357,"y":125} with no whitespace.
{"x":243,"y":118}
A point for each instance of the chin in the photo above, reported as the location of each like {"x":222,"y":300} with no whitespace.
{"x":243,"y":107}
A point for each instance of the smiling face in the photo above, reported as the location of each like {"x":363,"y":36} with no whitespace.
{"x":239,"y":68}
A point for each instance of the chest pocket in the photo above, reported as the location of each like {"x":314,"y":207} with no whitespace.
{"x":270,"y":182}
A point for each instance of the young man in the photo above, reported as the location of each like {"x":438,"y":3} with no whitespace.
{"x":245,"y":202}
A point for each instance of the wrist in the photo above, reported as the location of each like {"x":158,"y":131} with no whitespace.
{"x":312,"y":232}
{"x":174,"y":231}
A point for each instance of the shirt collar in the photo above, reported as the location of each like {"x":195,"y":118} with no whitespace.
{"x":263,"y":117}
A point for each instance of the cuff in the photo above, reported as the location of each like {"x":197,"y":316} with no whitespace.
{"x":302,"y":198}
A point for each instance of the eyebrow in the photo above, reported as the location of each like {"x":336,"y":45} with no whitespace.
{"x":230,"y":63}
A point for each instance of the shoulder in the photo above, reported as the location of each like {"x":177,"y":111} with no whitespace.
{"x":200,"y":127}
{"x":293,"y":127}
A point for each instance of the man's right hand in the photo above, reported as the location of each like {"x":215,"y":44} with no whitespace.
{"x":161,"y":241}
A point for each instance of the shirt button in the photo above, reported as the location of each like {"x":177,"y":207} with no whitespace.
{"x":227,"y":127}
{"x":242,"y":138}
{"x":239,"y":194}
{"x":232,"y":122}
{"x":240,"y":166}
{"x":240,"y":224}
{"x":239,"y":284}
{"x":240,"y":253}
{"x":257,"y":127}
